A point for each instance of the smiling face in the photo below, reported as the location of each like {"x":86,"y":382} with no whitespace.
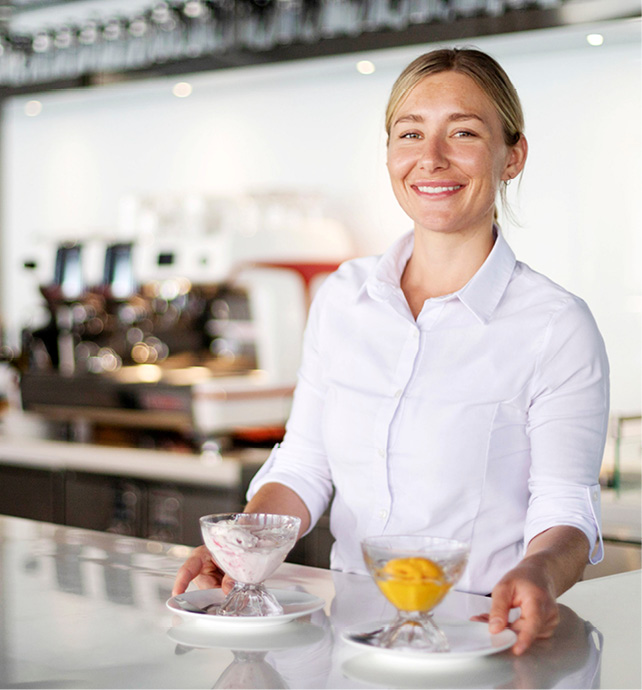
{"x":447,"y":155}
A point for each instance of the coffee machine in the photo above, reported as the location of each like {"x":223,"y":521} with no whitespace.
{"x":194,"y":334}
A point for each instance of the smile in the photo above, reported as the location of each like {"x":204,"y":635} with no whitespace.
{"x":438,"y":190}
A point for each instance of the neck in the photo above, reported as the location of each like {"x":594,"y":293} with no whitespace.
{"x":441,"y":264}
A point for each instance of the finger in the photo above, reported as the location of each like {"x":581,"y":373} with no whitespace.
{"x":481,"y":618}
{"x":538,"y":620}
{"x":208,"y":580}
{"x":184,"y":576}
{"x":525,"y":639}
{"x":501,"y":601}
{"x":545,"y":631}
{"x":226,"y":584}
{"x":192,"y":567}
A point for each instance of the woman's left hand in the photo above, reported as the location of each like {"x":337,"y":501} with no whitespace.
{"x":528,"y":588}
{"x":554,"y":561}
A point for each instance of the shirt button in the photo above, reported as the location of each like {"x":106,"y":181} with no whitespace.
{"x":594,"y":495}
{"x":382,"y":452}
{"x":383,"y":513}
{"x":398,"y":393}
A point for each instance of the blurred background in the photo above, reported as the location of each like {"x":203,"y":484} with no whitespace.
{"x":177,"y":178}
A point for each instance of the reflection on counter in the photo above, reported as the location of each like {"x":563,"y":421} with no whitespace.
{"x":261,"y":659}
{"x":100,"y":567}
{"x":311,"y":653}
{"x":103,"y":622}
{"x":570,"y":659}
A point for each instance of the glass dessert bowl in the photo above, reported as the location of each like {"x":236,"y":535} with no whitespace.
{"x":249,"y":547}
{"x":414,"y":573}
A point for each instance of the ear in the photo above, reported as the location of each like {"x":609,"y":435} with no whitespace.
{"x":516,"y":159}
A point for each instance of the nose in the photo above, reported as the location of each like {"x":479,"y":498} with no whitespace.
{"x":433,"y":154}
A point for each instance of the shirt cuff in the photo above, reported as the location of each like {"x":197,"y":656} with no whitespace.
{"x":577,"y":507}
{"x":306,"y":491}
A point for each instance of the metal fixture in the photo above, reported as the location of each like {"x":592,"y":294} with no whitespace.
{"x":170,"y":36}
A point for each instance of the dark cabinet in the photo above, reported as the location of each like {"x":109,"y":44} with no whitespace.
{"x":162,"y":511}
{"x":104,"y":503}
{"x":159,"y":511}
{"x":31,"y":493}
{"x":314,"y":548}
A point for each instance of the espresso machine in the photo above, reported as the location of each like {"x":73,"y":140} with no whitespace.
{"x":192,"y":336}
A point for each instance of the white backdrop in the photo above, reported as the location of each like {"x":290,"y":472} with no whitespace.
{"x":317,"y":126}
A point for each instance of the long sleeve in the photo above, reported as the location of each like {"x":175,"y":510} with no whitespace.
{"x":567,"y":424}
{"x":300,"y":461}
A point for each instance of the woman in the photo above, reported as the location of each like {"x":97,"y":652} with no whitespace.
{"x":446,"y":388}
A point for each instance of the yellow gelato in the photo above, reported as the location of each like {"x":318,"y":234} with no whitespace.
{"x":412,"y":584}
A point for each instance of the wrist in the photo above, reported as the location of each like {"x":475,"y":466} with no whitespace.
{"x":541,"y":570}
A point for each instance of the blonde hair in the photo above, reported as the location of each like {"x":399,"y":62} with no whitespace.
{"x":485,"y":71}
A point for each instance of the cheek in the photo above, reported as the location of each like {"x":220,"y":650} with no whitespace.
{"x":485,"y":168}
{"x":398,"y":164}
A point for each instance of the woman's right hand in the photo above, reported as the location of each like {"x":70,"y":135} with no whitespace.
{"x":201,"y":569}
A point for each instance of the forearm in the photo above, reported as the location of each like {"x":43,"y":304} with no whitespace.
{"x":561,"y":553}
{"x":281,"y":500}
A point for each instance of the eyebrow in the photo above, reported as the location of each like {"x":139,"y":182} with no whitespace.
{"x":454,"y":117}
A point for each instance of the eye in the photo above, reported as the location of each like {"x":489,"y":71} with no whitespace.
{"x":464,"y":134}
{"x":410,"y":135}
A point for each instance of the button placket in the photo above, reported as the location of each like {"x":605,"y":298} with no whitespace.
{"x":385,"y":419}
{"x":430,"y":315}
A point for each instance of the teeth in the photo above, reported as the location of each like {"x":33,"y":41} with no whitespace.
{"x":438,"y":190}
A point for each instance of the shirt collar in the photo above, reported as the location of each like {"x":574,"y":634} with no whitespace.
{"x":481,"y":294}
{"x":385,"y":277}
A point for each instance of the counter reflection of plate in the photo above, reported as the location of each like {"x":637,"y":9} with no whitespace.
{"x":295,"y":604}
{"x":292,"y":634}
{"x":484,"y":672}
{"x":467,"y":639}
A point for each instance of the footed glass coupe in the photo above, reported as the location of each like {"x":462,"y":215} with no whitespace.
{"x":249,"y":547}
{"x":414,"y":573}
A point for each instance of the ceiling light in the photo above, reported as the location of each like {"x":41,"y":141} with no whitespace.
{"x":182,"y":90}
{"x":365,"y":67}
{"x":595,"y":39}
{"x":33,"y":108}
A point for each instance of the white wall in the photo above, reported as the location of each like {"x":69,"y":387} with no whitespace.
{"x":317,"y":125}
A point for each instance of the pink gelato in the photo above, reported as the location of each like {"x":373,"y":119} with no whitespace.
{"x":248,"y":553}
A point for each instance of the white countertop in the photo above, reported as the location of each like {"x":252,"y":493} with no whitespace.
{"x":130,"y":462}
{"x":87,"y":609}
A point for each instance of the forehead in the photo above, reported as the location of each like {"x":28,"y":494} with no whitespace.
{"x":447,"y":90}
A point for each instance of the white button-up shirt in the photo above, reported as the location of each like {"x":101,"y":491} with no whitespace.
{"x":482,"y":420}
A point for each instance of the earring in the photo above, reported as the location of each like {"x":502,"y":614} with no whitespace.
{"x":508,"y":181}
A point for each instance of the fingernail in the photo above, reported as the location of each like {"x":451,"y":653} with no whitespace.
{"x":496,"y":624}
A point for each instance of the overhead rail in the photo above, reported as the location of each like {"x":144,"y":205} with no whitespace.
{"x":79,"y":45}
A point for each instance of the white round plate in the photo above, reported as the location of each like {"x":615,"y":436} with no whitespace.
{"x":295,"y":604}
{"x":467,"y":639}
{"x":292,"y":634}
